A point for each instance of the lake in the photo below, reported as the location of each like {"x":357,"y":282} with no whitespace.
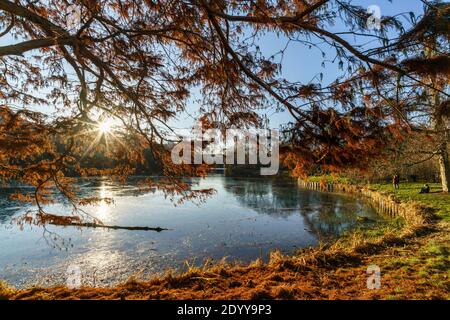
{"x":244,"y":220}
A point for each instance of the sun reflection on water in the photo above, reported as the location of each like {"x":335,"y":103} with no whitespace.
{"x":103,"y":208}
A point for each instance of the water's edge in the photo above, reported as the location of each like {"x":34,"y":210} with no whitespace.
{"x":385,"y":204}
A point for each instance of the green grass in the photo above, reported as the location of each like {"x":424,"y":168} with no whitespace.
{"x":371,"y":233}
{"x":430,"y":264}
{"x":328,"y":178}
{"x":410,"y":191}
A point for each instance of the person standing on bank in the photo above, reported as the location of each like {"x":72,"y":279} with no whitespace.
{"x":396,"y":181}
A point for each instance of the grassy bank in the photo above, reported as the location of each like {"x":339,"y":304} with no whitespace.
{"x":329,"y":178}
{"x":410,"y":192}
{"x":414,"y":263}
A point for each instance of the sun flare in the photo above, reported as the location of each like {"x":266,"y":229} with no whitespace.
{"x":105,"y":131}
{"x":105,"y":126}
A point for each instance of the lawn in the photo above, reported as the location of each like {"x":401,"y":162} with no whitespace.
{"x":328,"y":178}
{"x":410,"y":191}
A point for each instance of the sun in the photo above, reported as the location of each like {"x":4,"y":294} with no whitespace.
{"x":106,"y":131}
{"x":105,"y":126}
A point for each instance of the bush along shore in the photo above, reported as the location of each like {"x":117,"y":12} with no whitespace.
{"x":411,"y":249}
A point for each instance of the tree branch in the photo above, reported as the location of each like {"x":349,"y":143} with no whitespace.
{"x":20,"y":48}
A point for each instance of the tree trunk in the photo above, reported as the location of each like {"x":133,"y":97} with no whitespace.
{"x":444,"y":166}
{"x":440,"y":126}
{"x":442,"y":151}
{"x":440,"y":123}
